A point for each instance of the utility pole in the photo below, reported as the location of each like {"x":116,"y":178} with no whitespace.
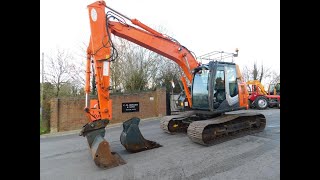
{"x":42,"y":82}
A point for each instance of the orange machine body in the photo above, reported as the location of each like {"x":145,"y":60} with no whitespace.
{"x":99,"y":51}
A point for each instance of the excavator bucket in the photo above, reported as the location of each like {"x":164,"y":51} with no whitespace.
{"x":132,"y":139}
{"x":100,"y":148}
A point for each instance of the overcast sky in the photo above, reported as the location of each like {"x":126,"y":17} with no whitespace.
{"x":252,"y":26}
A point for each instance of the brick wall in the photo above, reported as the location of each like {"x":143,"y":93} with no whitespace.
{"x":67,"y":114}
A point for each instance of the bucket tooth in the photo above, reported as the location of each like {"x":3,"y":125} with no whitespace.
{"x":132,"y":139}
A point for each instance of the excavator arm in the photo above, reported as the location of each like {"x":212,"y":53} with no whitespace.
{"x":99,"y":111}
{"x":159,"y":44}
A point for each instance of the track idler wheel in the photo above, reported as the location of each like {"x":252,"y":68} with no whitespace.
{"x":100,"y":148}
{"x":132,"y":139}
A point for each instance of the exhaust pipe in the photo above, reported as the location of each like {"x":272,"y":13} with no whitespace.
{"x":100,"y":148}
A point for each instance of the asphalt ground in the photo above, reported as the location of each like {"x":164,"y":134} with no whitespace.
{"x":257,"y":156}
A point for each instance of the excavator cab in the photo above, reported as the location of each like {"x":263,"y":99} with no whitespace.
{"x":215,"y":87}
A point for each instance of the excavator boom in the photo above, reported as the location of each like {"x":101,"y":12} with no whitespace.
{"x":156,"y":42}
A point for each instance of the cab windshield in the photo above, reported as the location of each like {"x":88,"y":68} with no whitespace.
{"x":200,"y":90}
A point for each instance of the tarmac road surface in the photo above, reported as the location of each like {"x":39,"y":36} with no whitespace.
{"x":255,"y":156}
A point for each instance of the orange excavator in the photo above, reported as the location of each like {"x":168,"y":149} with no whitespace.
{"x":216,"y":88}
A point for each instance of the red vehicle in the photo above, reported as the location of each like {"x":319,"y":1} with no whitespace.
{"x":261,"y":99}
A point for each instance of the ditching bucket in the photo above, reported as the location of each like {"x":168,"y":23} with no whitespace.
{"x":100,"y":148}
{"x":132,"y":139}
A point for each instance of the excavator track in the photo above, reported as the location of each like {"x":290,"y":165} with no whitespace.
{"x":226,"y":127}
{"x":175,"y":123}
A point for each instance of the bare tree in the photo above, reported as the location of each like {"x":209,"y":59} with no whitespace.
{"x":168,"y":71}
{"x":275,"y":78}
{"x":136,"y":74}
{"x":80,"y":73}
{"x":246,"y":73}
{"x":255,"y":73}
{"x":138,"y":68}
{"x":60,"y":69}
{"x":134,"y":68}
{"x":117,"y":67}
